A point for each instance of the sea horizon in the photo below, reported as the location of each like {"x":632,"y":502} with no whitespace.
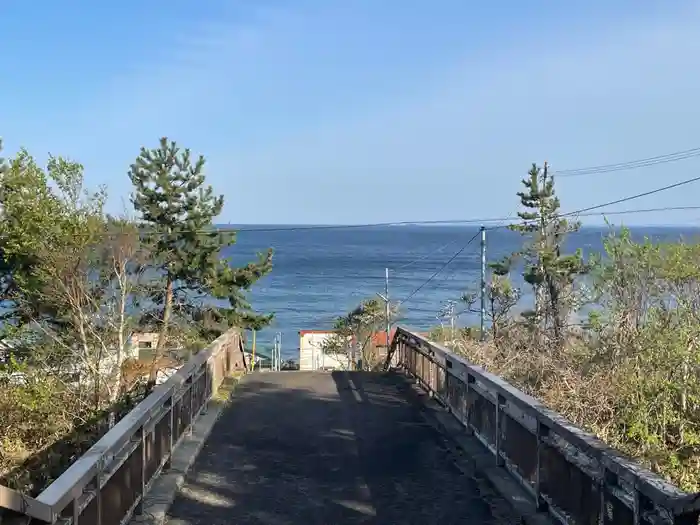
{"x":320,"y":274}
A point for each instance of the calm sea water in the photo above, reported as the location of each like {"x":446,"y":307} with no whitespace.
{"x":320,"y":274}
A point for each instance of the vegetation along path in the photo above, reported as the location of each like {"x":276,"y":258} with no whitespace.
{"x":319,"y":448}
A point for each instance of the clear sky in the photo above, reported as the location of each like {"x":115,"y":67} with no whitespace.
{"x":316,"y":111}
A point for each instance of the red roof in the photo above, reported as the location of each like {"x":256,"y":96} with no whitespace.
{"x":379,"y":338}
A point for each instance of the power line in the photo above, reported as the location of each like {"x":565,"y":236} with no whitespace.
{"x":231,"y":230}
{"x":331,"y":318}
{"x":428,"y":255}
{"x":636,"y":196}
{"x":628,"y":165}
{"x":576,"y":212}
{"x":583,"y":211}
{"x":449,"y":261}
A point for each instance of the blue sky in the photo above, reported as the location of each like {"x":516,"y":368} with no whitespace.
{"x":312,"y":111}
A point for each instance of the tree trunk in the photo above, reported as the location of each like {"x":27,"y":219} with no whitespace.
{"x":160,"y":345}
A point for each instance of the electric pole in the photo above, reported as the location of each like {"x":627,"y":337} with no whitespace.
{"x":387,"y":309}
{"x":483,"y":284}
{"x":279,"y":351}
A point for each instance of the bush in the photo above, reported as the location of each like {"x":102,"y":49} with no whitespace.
{"x":630,"y":373}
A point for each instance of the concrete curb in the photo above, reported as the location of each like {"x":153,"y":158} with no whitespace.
{"x":473,"y":457}
{"x":165,"y":488}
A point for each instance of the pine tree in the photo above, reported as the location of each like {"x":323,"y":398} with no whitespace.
{"x":177,"y":210}
{"x":546,"y":269}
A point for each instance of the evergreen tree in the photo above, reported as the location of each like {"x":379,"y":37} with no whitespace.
{"x":546,"y":269}
{"x":177,"y":210}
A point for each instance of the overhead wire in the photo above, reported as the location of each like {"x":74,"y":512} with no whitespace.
{"x":224,"y":229}
{"x":628,"y":165}
{"x":425,"y":256}
{"x":439,"y":270}
{"x":602,"y":168}
{"x":575,"y":212}
{"x":585,"y":211}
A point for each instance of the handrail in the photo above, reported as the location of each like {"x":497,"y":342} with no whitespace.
{"x":555,"y":449}
{"x":135,"y":450}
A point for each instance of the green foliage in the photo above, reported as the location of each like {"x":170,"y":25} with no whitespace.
{"x":48,"y":221}
{"x":353,"y":333}
{"x":177,"y":210}
{"x":73,"y":284}
{"x":648,"y":333}
{"x":551,"y":273}
{"x":630,"y":374}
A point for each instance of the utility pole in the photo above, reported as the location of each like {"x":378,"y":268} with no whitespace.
{"x":273,"y":355}
{"x":252,"y":361}
{"x":387,"y":308}
{"x":279,"y":351}
{"x":483,"y":284}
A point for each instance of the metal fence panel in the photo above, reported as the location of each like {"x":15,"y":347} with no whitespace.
{"x":105,"y":485}
{"x":569,"y":472}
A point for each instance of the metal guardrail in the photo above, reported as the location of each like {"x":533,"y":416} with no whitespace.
{"x":570,"y":473}
{"x":107,"y":483}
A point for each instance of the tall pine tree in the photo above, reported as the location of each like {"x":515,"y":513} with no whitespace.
{"x":550,"y":272}
{"x":177,"y":210}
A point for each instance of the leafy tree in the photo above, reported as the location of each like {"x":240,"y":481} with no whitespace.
{"x":550,"y":272}
{"x":32,"y":223}
{"x":501,"y":299}
{"x":177,"y":210}
{"x":353,"y":333}
{"x":70,"y":275}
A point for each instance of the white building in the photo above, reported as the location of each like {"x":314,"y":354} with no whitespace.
{"x":312,"y":356}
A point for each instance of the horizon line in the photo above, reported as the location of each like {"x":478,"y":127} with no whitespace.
{"x":426,"y":224}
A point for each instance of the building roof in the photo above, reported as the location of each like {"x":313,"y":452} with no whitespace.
{"x":378,"y":338}
{"x":302,"y":333}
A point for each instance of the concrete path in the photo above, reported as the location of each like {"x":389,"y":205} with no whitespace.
{"x":325,"y":449}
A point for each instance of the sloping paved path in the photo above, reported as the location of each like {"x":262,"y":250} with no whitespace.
{"x":325,"y":449}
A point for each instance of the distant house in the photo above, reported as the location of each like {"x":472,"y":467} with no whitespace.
{"x":143,"y":340}
{"x":312,"y":356}
{"x":141,"y":348}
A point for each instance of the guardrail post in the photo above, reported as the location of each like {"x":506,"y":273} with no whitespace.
{"x":75,"y":504}
{"x":191,"y":396}
{"x":431,"y":378}
{"x":142,"y":436}
{"x":446,"y":386}
{"x":468,"y":402}
{"x":608,"y":479}
{"x":542,"y":433}
{"x":171,"y":415}
{"x":204,"y":393}
{"x":500,"y":402}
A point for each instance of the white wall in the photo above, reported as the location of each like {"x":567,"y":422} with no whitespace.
{"x":312,"y":356}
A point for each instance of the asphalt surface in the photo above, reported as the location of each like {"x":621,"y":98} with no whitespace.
{"x":326,"y":449}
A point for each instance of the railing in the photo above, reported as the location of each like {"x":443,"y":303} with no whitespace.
{"x":109,"y":481}
{"x":569,"y":473}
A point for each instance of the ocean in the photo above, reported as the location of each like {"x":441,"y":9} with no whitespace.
{"x":322,"y":273}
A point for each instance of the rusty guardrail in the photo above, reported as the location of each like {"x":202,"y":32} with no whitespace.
{"x":107,"y":483}
{"x":570,"y":473}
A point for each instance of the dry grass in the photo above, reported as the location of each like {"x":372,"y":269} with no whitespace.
{"x":589,"y":392}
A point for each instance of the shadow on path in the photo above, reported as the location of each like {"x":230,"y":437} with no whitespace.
{"x":328,"y":449}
